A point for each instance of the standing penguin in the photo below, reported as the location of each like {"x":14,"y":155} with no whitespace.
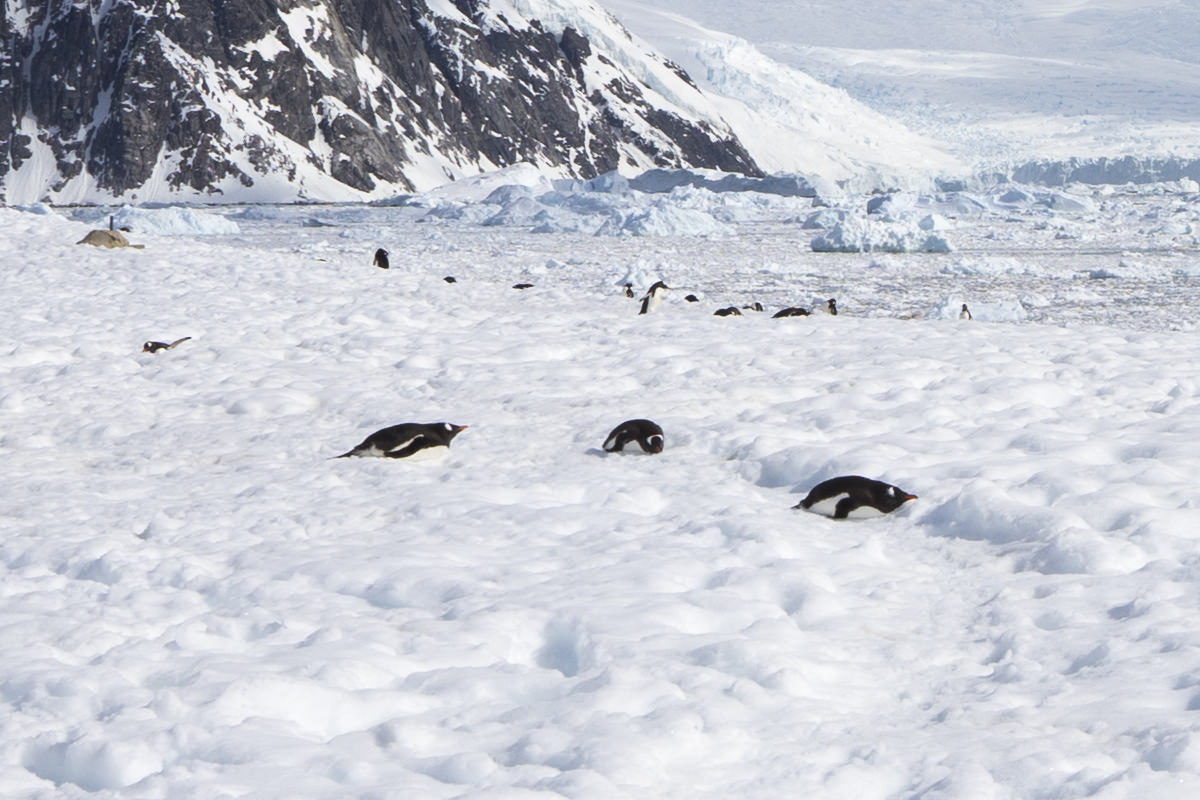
{"x":853,"y":494}
{"x":831,"y":306}
{"x":407,"y":439}
{"x":629,"y":290}
{"x":965,"y":313}
{"x":381,"y":259}
{"x":646,"y":433}
{"x":653,"y":297}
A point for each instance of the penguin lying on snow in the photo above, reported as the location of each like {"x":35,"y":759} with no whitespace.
{"x":154,"y":347}
{"x":381,"y":259}
{"x":522,"y":285}
{"x":854,"y":495}
{"x":730,"y":311}
{"x":790,"y":311}
{"x":646,"y":433}
{"x":653,"y":297}
{"x":406,"y":439}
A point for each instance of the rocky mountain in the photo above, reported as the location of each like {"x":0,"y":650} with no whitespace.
{"x":278,"y":100}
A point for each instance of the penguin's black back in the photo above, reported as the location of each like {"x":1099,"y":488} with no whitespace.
{"x":731,"y":311}
{"x":791,"y":311}
{"x":853,"y":492}
{"x":645,"y":432}
{"x":405,"y":439}
{"x":381,"y":258}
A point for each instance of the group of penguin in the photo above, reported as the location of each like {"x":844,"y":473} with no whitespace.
{"x":840,"y":498}
{"x":654,"y":297}
{"x":844,"y":497}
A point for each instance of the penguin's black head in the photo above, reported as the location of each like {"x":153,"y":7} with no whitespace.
{"x":381,"y":253}
{"x":453,"y":430}
{"x":654,"y":444}
{"x":656,"y":286}
{"x":892,"y":498}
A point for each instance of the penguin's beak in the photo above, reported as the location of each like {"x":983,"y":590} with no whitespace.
{"x":908,"y":496}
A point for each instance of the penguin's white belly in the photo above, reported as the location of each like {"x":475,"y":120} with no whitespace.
{"x":428,"y":453}
{"x":828,"y":507}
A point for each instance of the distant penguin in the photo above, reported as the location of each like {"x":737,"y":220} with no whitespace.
{"x":522,"y":285}
{"x":831,"y":306}
{"x":691,"y":298}
{"x":755,"y":306}
{"x":450,"y":279}
{"x":407,"y":439}
{"x":854,"y":495}
{"x":154,"y":347}
{"x":965,"y":313}
{"x":381,"y":259}
{"x":629,"y":290}
{"x":731,"y":311}
{"x":646,"y":433}
{"x":654,"y":296}
{"x":790,"y":311}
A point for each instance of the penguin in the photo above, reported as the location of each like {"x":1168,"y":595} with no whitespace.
{"x":407,"y":439}
{"x":831,"y":306}
{"x":522,"y":285}
{"x":790,"y":311}
{"x":629,"y":290}
{"x":154,"y":347}
{"x":646,"y":433}
{"x":965,"y":313}
{"x":653,"y":297}
{"x":691,"y":298}
{"x":381,"y":259}
{"x":731,"y":311}
{"x":855,"y":495}
{"x":755,"y":306}
{"x":450,"y":279}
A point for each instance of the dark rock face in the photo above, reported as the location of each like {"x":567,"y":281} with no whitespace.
{"x":216,"y":97}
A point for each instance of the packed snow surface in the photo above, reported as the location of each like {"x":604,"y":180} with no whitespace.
{"x":198,"y":601}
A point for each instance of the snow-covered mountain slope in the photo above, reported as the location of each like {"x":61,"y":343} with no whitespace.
{"x":998,"y":84}
{"x":789,"y":121}
{"x":332,"y":100}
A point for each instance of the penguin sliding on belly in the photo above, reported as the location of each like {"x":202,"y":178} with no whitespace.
{"x":407,"y":439}
{"x":853,"y":496}
{"x":646,"y":433}
{"x":154,"y":347}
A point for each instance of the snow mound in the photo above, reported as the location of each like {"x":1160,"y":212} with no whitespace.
{"x":663,"y":219}
{"x":858,"y":235}
{"x":981,"y":311}
{"x":174,"y":221}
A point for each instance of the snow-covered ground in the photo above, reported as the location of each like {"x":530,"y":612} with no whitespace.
{"x":985,"y":83}
{"x":198,"y":602}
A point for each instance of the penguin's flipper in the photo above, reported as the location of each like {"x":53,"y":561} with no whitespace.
{"x":413,"y":445}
